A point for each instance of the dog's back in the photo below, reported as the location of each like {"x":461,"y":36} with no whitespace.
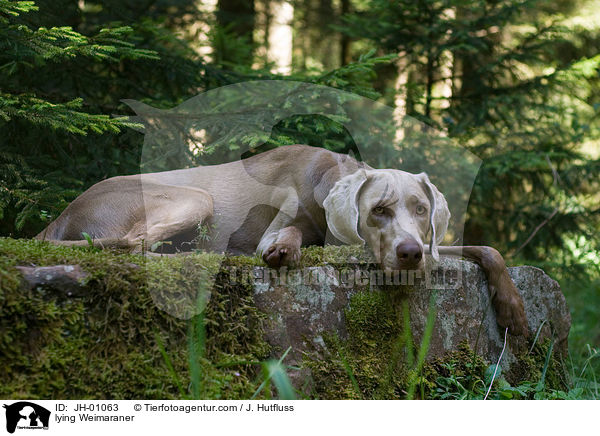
{"x":245,"y":194}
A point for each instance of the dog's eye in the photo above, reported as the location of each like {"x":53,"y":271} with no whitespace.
{"x":421,"y":210}
{"x":379,"y":210}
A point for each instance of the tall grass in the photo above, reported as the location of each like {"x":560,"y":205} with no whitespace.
{"x":273,"y":371}
{"x":423,"y":349}
{"x":580,"y":282}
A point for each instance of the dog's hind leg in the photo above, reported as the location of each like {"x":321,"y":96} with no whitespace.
{"x":170,"y":211}
{"x":166,"y":211}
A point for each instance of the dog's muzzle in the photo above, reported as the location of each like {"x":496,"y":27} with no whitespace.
{"x":409,"y":254}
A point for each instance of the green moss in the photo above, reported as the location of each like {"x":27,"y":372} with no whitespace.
{"x":332,"y":254}
{"x":368,"y":362}
{"x":376,"y":361}
{"x":530,"y":367}
{"x":110,"y":343}
{"x":104,"y":345}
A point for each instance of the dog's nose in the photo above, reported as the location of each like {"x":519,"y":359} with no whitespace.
{"x":409,"y":253}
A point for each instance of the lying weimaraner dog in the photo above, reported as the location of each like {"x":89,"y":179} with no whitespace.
{"x":275,"y":202}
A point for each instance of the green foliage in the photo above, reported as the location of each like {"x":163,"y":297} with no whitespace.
{"x":275,"y":371}
{"x":378,"y":360}
{"x":463,"y":375}
{"x":32,"y":116}
{"x":498,"y":78}
{"x":62,"y":86}
{"x":25,"y":50}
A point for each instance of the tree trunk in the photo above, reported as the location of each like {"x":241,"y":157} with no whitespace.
{"x":238,"y":18}
{"x":345,"y":56}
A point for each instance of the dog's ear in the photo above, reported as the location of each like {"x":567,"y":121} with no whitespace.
{"x":439,"y":215}
{"x":341,"y":208}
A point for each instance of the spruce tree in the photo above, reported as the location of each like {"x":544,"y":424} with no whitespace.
{"x":512,"y":82}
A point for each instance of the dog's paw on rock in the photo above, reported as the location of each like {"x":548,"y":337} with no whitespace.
{"x":278,"y":255}
{"x":510,"y":313}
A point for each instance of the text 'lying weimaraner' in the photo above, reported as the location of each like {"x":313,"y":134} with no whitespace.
{"x":274,"y":203}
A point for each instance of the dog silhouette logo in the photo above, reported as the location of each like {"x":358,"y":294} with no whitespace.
{"x":26,"y":415}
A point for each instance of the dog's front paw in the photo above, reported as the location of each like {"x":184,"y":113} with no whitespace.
{"x":279,"y":254}
{"x":510,"y":312}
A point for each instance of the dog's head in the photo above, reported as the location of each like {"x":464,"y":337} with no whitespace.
{"x":392,"y":211}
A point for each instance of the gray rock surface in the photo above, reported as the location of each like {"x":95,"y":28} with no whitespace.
{"x":65,"y":280}
{"x":303,"y":305}
{"x":313,"y":301}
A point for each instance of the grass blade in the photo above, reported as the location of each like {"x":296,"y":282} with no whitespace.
{"x":169,"y":364}
{"x":281,"y":380}
{"x":424,"y":348}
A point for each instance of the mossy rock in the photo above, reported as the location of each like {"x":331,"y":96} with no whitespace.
{"x":379,"y":360}
{"x":114,"y":342}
